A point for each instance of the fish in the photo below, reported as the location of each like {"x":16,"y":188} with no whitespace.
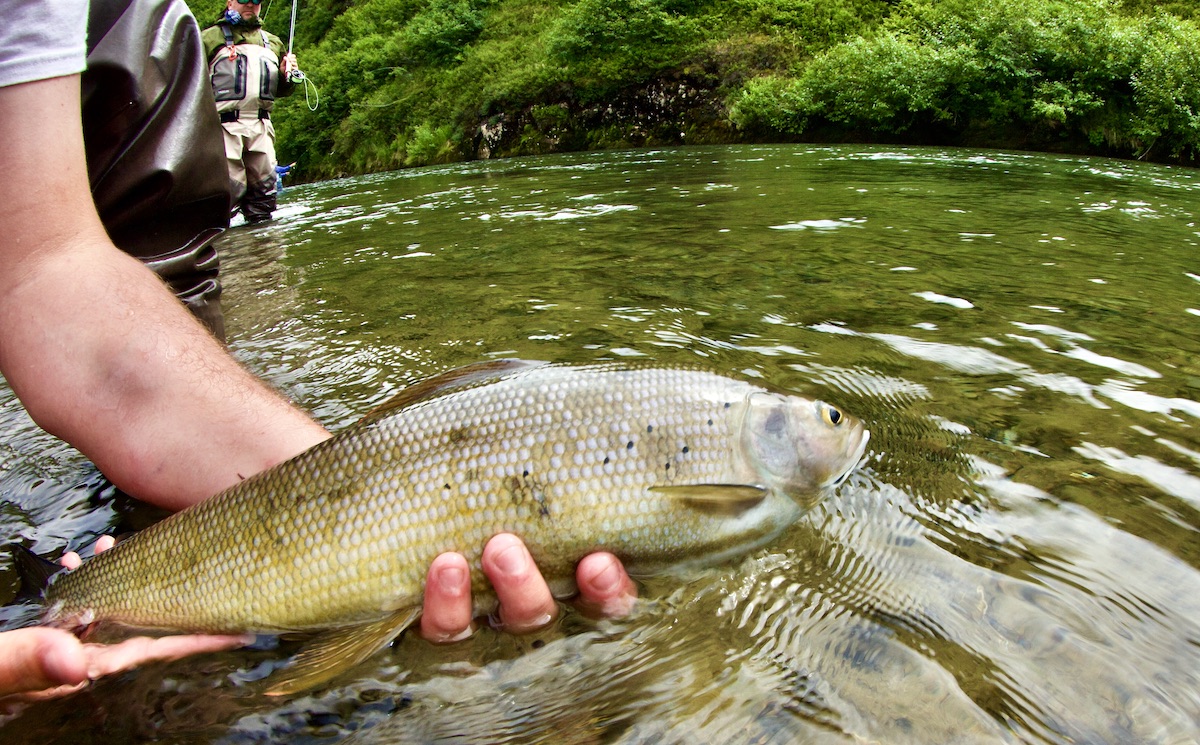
{"x":664,"y":467}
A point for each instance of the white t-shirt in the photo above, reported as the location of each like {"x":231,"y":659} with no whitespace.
{"x":42,"y":39}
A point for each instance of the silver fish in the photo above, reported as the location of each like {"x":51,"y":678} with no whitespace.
{"x":660,"y":466}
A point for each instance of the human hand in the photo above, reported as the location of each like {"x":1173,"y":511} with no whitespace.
{"x":43,"y":662}
{"x":526,"y":603}
{"x":287,"y":64}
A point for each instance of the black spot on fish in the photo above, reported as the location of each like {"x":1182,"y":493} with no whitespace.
{"x":521,"y":490}
{"x":685,"y":448}
{"x":710,"y":422}
{"x":606,"y":460}
{"x":525,"y":473}
{"x":668,"y":465}
{"x":459,"y":435}
{"x":649,"y":427}
{"x":543,"y":506}
{"x":629,"y":445}
{"x":727,"y":404}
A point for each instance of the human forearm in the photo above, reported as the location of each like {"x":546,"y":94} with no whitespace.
{"x":115,"y":366}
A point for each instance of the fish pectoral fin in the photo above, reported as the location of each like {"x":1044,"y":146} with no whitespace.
{"x":334,"y":652}
{"x":731,"y":498}
{"x":459,"y":378}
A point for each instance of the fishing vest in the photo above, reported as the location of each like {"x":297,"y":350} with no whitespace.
{"x":245,"y":77}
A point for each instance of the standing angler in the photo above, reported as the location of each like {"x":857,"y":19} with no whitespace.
{"x":660,"y":466}
{"x":249,"y":70}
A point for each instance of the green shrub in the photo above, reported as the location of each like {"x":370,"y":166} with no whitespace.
{"x":429,"y":144}
{"x":808,"y":24}
{"x":1166,"y":85}
{"x":1041,"y":68}
{"x":1188,"y":9}
{"x":772,"y":104}
{"x":439,"y":32}
{"x":611,"y":42}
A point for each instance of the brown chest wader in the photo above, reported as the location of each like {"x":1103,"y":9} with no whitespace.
{"x":155,"y":157}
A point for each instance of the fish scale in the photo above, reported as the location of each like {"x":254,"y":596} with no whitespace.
{"x":659,"y":466}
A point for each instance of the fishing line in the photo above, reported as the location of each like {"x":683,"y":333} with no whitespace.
{"x":315,"y":100}
{"x":312,"y":96}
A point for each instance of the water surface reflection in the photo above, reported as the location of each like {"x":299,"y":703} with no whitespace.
{"x":1015,"y":562}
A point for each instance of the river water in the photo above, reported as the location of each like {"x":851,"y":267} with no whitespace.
{"x":1017,"y":559}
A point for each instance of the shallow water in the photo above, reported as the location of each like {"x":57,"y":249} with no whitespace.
{"x":1016,"y":561}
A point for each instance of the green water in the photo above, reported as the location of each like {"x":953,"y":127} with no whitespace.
{"x":1016,"y":561}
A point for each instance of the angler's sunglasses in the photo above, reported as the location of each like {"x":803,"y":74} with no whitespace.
{"x":250,"y":2}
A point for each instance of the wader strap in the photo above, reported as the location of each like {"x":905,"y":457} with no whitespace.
{"x":234,"y":115}
{"x":228,"y":32}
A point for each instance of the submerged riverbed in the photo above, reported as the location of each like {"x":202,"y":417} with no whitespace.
{"x":1017,"y":559}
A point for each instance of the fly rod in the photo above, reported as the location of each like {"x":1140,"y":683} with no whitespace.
{"x":294,"y":75}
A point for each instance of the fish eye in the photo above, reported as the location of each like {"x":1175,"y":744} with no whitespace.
{"x":831,"y":415}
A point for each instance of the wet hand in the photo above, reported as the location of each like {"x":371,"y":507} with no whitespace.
{"x":526,"y":603}
{"x":41,"y":662}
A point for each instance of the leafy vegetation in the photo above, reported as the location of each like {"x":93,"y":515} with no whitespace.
{"x":410,"y":82}
{"x":1043,"y":73}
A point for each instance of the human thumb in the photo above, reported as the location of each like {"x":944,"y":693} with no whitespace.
{"x":38,"y":658}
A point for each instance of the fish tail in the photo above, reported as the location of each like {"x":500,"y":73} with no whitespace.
{"x":33,"y":571}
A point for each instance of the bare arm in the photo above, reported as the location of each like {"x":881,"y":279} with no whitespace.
{"x":97,"y":348}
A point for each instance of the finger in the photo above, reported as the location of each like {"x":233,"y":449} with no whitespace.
{"x":604,"y":587}
{"x":39,"y":658}
{"x":72,"y":560}
{"x":106,"y":659}
{"x":446,"y":616}
{"x":525,"y":600}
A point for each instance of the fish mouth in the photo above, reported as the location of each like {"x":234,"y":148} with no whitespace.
{"x":853,"y":462}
